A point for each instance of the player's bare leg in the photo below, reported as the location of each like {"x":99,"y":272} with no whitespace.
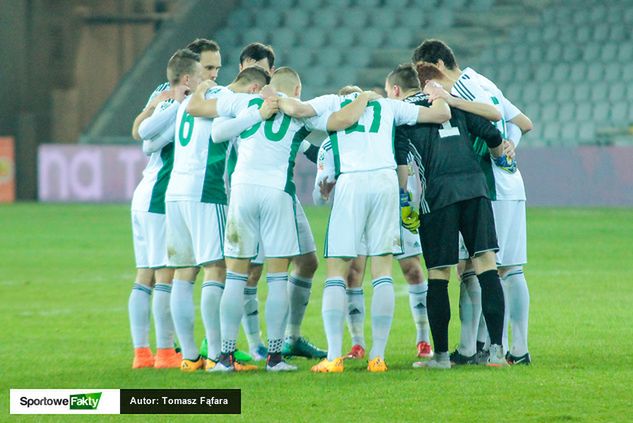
{"x":418,"y":286}
{"x":356,"y":307}
{"x":139,"y":312}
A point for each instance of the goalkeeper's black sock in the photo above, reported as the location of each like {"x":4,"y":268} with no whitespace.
{"x":492,"y":304}
{"x":438,"y":308}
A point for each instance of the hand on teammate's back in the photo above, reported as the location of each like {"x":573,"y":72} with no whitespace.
{"x":270,"y":107}
{"x":326,"y":188}
{"x":372,"y":95}
{"x":509,"y":149}
{"x":165,"y":95}
{"x":205,"y":85}
{"x":268,"y":91}
{"x":435,"y":91}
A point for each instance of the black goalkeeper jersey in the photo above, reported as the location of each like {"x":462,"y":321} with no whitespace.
{"x":448,"y":166}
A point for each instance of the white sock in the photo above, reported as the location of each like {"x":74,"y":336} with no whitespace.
{"x":382,"y":305}
{"x":519,"y":304}
{"x":469,"y":313}
{"x":298,"y":296}
{"x":182,"y":311}
{"x":417,"y":302}
{"x":333,"y":311}
{"x":231,"y":307}
{"x":138,"y":308}
{"x":210,"y":310}
{"x":276,"y":310}
{"x":250,"y":320}
{"x":163,"y":322}
{"x":505,"y":286}
{"x":356,"y":315}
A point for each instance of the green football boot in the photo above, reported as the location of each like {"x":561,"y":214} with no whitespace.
{"x":301,"y":347}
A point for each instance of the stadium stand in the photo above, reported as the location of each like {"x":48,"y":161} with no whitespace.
{"x":554,"y":71}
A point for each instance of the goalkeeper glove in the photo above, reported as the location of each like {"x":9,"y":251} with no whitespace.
{"x":410,"y":218}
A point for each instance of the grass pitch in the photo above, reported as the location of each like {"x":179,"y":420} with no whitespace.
{"x":66,"y":273}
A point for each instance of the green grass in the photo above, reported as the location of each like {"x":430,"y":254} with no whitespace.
{"x":66,"y":273}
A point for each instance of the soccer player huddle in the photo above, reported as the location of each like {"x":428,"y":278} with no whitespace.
{"x":430,"y":170}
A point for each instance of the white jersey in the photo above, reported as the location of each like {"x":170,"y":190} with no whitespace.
{"x":367,"y":145}
{"x":268,"y":149}
{"x":475,"y":87}
{"x":149,"y":195}
{"x":325,"y":171}
{"x":198,"y":172}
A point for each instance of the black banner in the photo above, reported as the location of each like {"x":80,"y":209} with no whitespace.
{"x":181,"y":401}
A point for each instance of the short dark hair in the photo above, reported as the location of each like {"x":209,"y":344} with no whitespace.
{"x":428,"y":71}
{"x":432,"y":51}
{"x":253,"y":74}
{"x":405,"y":76}
{"x":257,"y":52}
{"x":202,"y":44}
{"x":182,"y":62}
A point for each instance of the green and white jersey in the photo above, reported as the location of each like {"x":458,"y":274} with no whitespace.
{"x":198,"y":172}
{"x":149,"y":195}
{"x":472,"y":86}
{"x":368,"y":144}
{"x":268,"y":149}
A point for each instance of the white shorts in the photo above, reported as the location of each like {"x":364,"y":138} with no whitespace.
{"x":411,"y":245}
{"x":511,"y":227}
{"x":306,"y":239}
{"x":366,"y":204}
{"x":148,"y":233}
{"x":195,"y":232}
{"x":261,"y":213}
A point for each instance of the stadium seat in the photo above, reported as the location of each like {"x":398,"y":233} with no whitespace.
{"x":618,"y":33}
{"x":591,"y":51}
{"x":549,"y":112}
{"x":356,"y":17}
{"x":359,"y":58}
{"x":397,"y":4}
{"x":281,"y":5}
{"x":566,"y":112}
{"x":339,"y":4}
{"x":414,"y":18}
{"x":548,"y":91}
{"x":514,"y":91}
{"x":309,"y":4}
{"x":549,"y":33}
{"x":373,"y":38}
{"x":283,"y":38}
{"x":595,"y":72}
{"x":268,"y":18}
{"x":297,"y":19}
{"x":481,"y":5}
{"x":314,"y":77}
{"x":571,"y":53}
{"x":578,"y":72}
{"x":441,"y":18}
{"x":227,"y":38}
{"x":553,"y":53}
{"x":609,"y":53}
{"x":618,"y":113}
{"x":344,"y":38}
{"x":584,"y":110}
{"x":345,"y":75}
{"x":255,"y":4}
{"x":587,"y":132}
{"x":383,"y":17}
{"x":569,"y":134}
{"x":327,"y":18}
{"x":565,"y":92}
{"x":601,"y":32}
{"x":454,"y":4}
{"x":255,"y":34}
{"x":240,"y":18}
{"x":332,"y":59}
{"x":599,"y":93}
{"x":561,"y":72}
{"x":583,"y":34}
{"x":300,"y":56}
{"x":551,"y":131}
{"x":400,"y":37}
{"x":582,"y":92}
{"x":612,"y":73}
{"x":625,"y":52}
{"x":314,"y":37}
{"x":601,"y":112}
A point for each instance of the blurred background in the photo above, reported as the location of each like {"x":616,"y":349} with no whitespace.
{"x":75,"y":73}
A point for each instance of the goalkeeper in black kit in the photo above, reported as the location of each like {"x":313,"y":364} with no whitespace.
{"x":455,"y":200}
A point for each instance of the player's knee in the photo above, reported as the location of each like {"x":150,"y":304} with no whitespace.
{"x":145,"y":277}
{"x":215,"y":271}
{"x":164,"y":275}
{"x":443,"y":273}
{"x":306,"y":265}
{"x":484,"y":262}
{"x":504,"y":270}
{"x":254,"y":274}
{"x":412,"y":271}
